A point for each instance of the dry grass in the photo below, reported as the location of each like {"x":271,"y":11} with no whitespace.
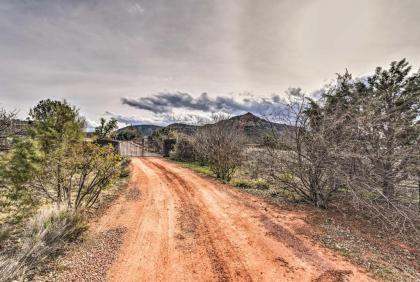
{"x":382,"y":253}
{"x":44,"y":237}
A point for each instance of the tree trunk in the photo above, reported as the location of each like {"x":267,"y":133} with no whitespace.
{"x":388,"y":184}
{"x":58,"y":184}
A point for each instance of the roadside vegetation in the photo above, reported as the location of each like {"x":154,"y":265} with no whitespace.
{"x":357,"y":144}
{"x":219,"y":147}
{"x":50,"y":177}
{"x":353,"y":150}
{"x":350,"y":156}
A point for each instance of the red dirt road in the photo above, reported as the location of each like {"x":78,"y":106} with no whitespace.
{"x":187,"y":227}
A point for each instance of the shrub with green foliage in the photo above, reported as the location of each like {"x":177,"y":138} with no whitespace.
{"x":52,"y":165}
{"x":17,"y":168}
{"x":85,"y":171}
{"x":56,"y":125}
{"x":183,"y":149}
{"x":105,"y":128}
{"x":55,"y":165}
{"x":125,"y":170}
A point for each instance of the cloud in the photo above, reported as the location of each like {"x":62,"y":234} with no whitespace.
{"x":89,"y":51}
{"x":136,"y":8}
{"x":129,"y":120}
{"x":91,"y":123}
{"x":165,"y":102}
{"x":158,"y":119}
{"x":184,"y":118}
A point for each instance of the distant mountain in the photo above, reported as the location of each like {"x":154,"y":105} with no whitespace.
{"x":255,"y":128}
{"x":182,"y":128}
{"x":167,"y":131}
{"x":144,"y":129}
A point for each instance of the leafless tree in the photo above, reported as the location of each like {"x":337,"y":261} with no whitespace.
{"x":220,"y":146}
{"x":302,"y":156}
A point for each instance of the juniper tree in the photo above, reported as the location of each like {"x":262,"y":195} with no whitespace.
{"x":389,"y":125}
{"x":71,"y":172}
{"x":105,"y":128}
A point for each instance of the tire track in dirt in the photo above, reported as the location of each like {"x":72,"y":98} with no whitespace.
{"x":267,"y":217}
{"x":296,"y":256}
{"x":207,"y":233}
{"x":181,"y":226}
{"x":146,"y":248}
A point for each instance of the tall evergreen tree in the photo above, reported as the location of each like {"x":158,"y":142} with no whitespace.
{"x":392,"y":127}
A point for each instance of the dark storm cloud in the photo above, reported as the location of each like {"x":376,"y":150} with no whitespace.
{"x":165,"y":102}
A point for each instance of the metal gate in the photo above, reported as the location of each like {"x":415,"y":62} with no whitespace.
{"x":134,"y":149}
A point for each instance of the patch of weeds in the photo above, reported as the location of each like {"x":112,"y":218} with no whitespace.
{"x":44,"y":238}
{"x":4,"y":234}
{"x":125,"y":170}
{"x":197,"y":167}
{"x":259,"y":184}
{"x":291,"y":196}
{"x":345,"y":253}
{"x":241,"y":183}
{"x":60,"y":267}
{"x":384,"y":273}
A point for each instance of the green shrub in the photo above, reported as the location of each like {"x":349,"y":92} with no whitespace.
{"x":242,"y":183}
{"x":260,"y":184}
{"x":125,"y":171}
{"x":4,"y":234}
{"x":183,"y":150}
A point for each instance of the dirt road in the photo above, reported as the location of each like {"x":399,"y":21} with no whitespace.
{"x":186,"y":227}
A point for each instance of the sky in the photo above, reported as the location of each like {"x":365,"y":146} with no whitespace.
{"x":144,"y":61}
